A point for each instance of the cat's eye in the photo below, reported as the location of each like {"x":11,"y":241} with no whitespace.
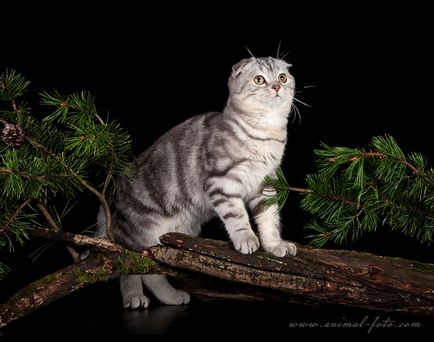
{"x":282,"y":78}
{"x":259,"y":80}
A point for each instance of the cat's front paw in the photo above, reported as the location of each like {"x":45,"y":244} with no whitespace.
{"x":282,"y":248}
{"x":245,"y":242}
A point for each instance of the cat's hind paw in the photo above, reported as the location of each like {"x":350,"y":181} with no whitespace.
{"x":176,"y":297}
{"x":282,"y":249}
{"x":135,"y":301}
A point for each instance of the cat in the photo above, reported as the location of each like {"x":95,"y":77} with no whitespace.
{"x":213,"y":164}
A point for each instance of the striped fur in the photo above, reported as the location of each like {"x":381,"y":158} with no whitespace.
{"x":211,"y":165}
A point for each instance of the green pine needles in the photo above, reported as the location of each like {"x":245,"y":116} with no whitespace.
{"x":57,"y":156}
{"x":356,"y":190}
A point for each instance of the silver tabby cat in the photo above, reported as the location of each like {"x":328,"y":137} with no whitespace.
{"x":213,"y":164}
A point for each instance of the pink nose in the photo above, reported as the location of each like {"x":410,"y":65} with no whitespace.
{"x":276,"y":87}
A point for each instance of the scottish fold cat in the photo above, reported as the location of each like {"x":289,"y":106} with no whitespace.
{"x":213,"y":164}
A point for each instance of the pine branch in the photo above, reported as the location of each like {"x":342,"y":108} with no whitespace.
{"x":383,"y":156}
{"x":355,"y":191}
{"x":84,"y":183}
{"x":60,"y":150}
{"x":14,"y":224}
{"x":13,"y":85}
{"x":7,"y":225}
{"x":277,"y":190}
{"x":40,"y":160}
{"x":33,"y":177}
{"x":74,"y":105}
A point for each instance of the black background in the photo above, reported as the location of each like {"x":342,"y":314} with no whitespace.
{"x":363,"y":71}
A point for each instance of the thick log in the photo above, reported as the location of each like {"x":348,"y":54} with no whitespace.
{"x":314,"y":276}
{"x":319,"y":275}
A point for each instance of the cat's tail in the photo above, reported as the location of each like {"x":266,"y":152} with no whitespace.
{"x":100,"y":232}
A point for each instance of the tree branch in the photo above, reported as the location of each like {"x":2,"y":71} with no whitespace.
{"x":48,"y":217}
{"x":314,"y":276}
{"x":78,"y":240}
{"x":50,"y":220}
{"x":99,"y":267}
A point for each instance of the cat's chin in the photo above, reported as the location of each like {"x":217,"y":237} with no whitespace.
{"x":280,"y":105}
{"x":273,"y":106}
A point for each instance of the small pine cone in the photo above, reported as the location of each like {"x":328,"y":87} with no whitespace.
{"x":13,"y":135}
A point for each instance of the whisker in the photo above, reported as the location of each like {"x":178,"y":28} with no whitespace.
{"x":299,"y":92}
{"x":250,"y":52}
{"x":278,"y":49}
{"x":303,"y":103}
{"x":296,"y":113}
{"x":310,"y":86}
{"x":284,"y":55}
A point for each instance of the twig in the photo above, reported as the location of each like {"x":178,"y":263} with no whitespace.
{"x":24,"y":175}
{"x":13,"y":216}
{"x":100,"y":120}
{"x":331,"y":196}
{"x":109,"y":174}
{"x":28,"y":176}
{"x":74,"y":254}
{"x":48,"y":216}
{"x":409,"y":166}
{"x":301,"y":190}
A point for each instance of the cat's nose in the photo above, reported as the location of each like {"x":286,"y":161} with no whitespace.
{"x":276,"y":87}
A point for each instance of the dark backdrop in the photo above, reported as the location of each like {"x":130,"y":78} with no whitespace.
{"x":363,"y":71}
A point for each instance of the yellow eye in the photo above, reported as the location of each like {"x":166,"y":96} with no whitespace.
{"x":282,"y":78}
{"x":259,"y":80}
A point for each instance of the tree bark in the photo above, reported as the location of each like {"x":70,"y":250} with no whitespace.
{"x":314,"y":276}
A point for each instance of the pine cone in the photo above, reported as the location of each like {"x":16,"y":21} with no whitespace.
{"x":13,"y":135}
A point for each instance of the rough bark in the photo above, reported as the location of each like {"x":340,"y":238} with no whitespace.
{"x":313,"y":276}
{"x":76,"y":239}
{"x":318,"y":275}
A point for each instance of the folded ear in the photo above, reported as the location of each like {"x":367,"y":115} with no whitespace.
{"x":285,"y":64}
{"x":238,"y":68}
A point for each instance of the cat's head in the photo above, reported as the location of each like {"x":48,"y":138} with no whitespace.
{"x":261,"y":85}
